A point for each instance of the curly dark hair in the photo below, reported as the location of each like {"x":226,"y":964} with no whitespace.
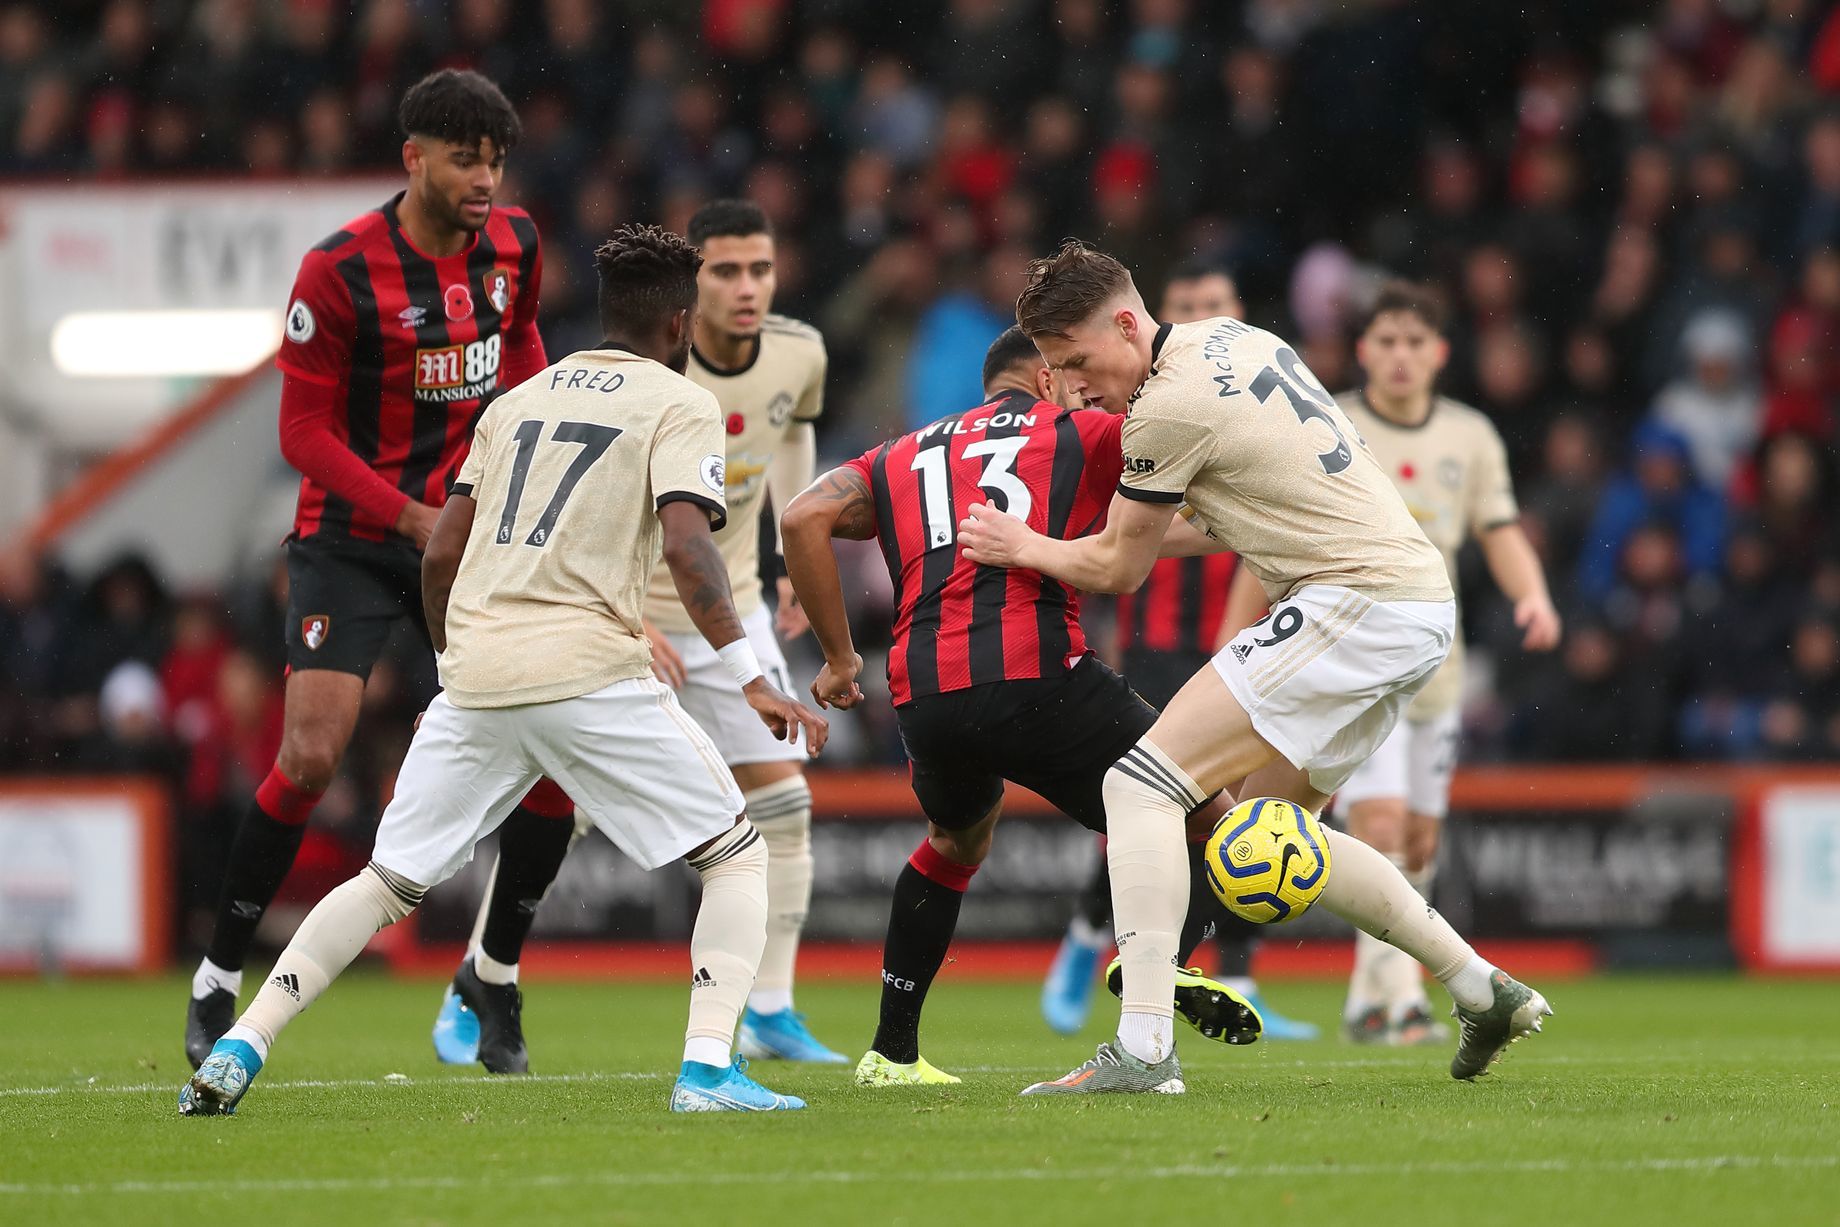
{"x":647,"y":275}
{"x":1067,"y":287}
{"x":459,"y":106}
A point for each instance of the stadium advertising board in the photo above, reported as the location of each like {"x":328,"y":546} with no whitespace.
{"x":1648,"y":875}
{"x":85,"y":878}
{"x":1799,"y":890}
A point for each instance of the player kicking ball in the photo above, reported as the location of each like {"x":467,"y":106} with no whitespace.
{"x":578,"y":481}
{"x":1451,"y":467}
{"x":989,"y":672}
{"x":1226,"y":418}
{"x":767,"y":374}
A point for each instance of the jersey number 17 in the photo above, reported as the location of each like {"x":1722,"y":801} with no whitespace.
{"x":594,"y":440}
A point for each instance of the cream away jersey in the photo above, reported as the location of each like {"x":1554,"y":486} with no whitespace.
{"x":781,"y":384}
{"x":1452,"y":470}
{"x":1231,"y":422}
{"x":569,"y":470}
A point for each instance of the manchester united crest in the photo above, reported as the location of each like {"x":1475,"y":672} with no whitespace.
{"x":313,"y":630}
{"x":498,"y":289}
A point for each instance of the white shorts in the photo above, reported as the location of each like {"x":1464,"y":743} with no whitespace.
{"x":1328,"y":672}
{"x":714,"y":701}
{"x":627,"y":755}
{"x":1414,"y":764}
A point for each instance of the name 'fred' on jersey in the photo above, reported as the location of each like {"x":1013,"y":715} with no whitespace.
{"x":1231,"y":421}
{"x":780,"y":385}
{"x":568,"y":471}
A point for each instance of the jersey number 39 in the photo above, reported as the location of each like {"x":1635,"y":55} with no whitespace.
{"x":1310,"y":401}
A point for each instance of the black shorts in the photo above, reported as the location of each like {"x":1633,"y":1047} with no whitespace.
{"x":1055,"y":736}
{"x":1158,"y":675}
{"x":344,"y":599}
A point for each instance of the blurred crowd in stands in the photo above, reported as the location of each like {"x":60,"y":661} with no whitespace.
{"x":1633,"y":208}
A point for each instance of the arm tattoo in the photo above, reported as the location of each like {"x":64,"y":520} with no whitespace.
{"x":702,"y":585}
{"x":854,"y":505}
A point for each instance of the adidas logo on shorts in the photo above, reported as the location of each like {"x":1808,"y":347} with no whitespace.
{"x":1241,"y":651}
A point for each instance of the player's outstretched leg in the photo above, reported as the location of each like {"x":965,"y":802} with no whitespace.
{"x":321,"y":710}
{"x":1492,"y":1008}
{"x":329,"y":939}
{"x":725,"y":947}
{"x":772,"y":1029}
{"x":533,"y":842}
{"x":1067,"y":993}
{"x":921,"y":922}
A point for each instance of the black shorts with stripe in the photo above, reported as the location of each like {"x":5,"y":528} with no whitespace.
{"x":345,"y":597}
{"x":1055,"y":736}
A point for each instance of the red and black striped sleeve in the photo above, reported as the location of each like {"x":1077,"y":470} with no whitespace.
{"x":315,"y":361}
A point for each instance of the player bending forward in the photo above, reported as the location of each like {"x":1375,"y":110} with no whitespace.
{"x":767,"y":374}
{"x":1226,"y":417}
{"x":533,"y":580}
{"x":990,"y":673}
{"x":1449,"y":464}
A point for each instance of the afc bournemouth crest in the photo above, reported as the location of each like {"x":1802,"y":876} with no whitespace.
{"x":459,"y":302}
{"x":498,"y":289}
{"x":313,"y":630}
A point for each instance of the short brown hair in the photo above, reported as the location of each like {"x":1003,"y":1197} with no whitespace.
{"x":1067,"y":287}
{"x":1407,"y":298}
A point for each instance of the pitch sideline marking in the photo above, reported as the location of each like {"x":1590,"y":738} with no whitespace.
{"x":1402,"y":1062}
{"x":1700,"y":1163}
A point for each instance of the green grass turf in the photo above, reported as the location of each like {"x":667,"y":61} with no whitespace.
{"x":1648,"y":1100}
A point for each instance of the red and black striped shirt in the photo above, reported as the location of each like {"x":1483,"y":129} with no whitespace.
{"x":958,"y":624}
{"x":1180,"y":606}
{"x":388,"y":357}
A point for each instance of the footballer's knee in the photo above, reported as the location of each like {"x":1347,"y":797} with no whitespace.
{"x":309,"y":760}
{"x":322,"y":709}
{"x":967,"y":847}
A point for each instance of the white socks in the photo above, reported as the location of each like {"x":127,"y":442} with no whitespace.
{"x":1147,"y":801}
{"x":1148,"y":1037}
{"x":491,"y":971}
{"x":1367,"y":890}
{"x":209,"y":977}
{"x":330,"y":937}
{"x":725,"y":944}
{"x":781,"y":812}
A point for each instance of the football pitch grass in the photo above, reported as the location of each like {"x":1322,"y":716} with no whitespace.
{"x":1678,"y":1100}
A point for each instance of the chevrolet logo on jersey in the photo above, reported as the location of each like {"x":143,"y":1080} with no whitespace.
{"x":742,"y":472}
